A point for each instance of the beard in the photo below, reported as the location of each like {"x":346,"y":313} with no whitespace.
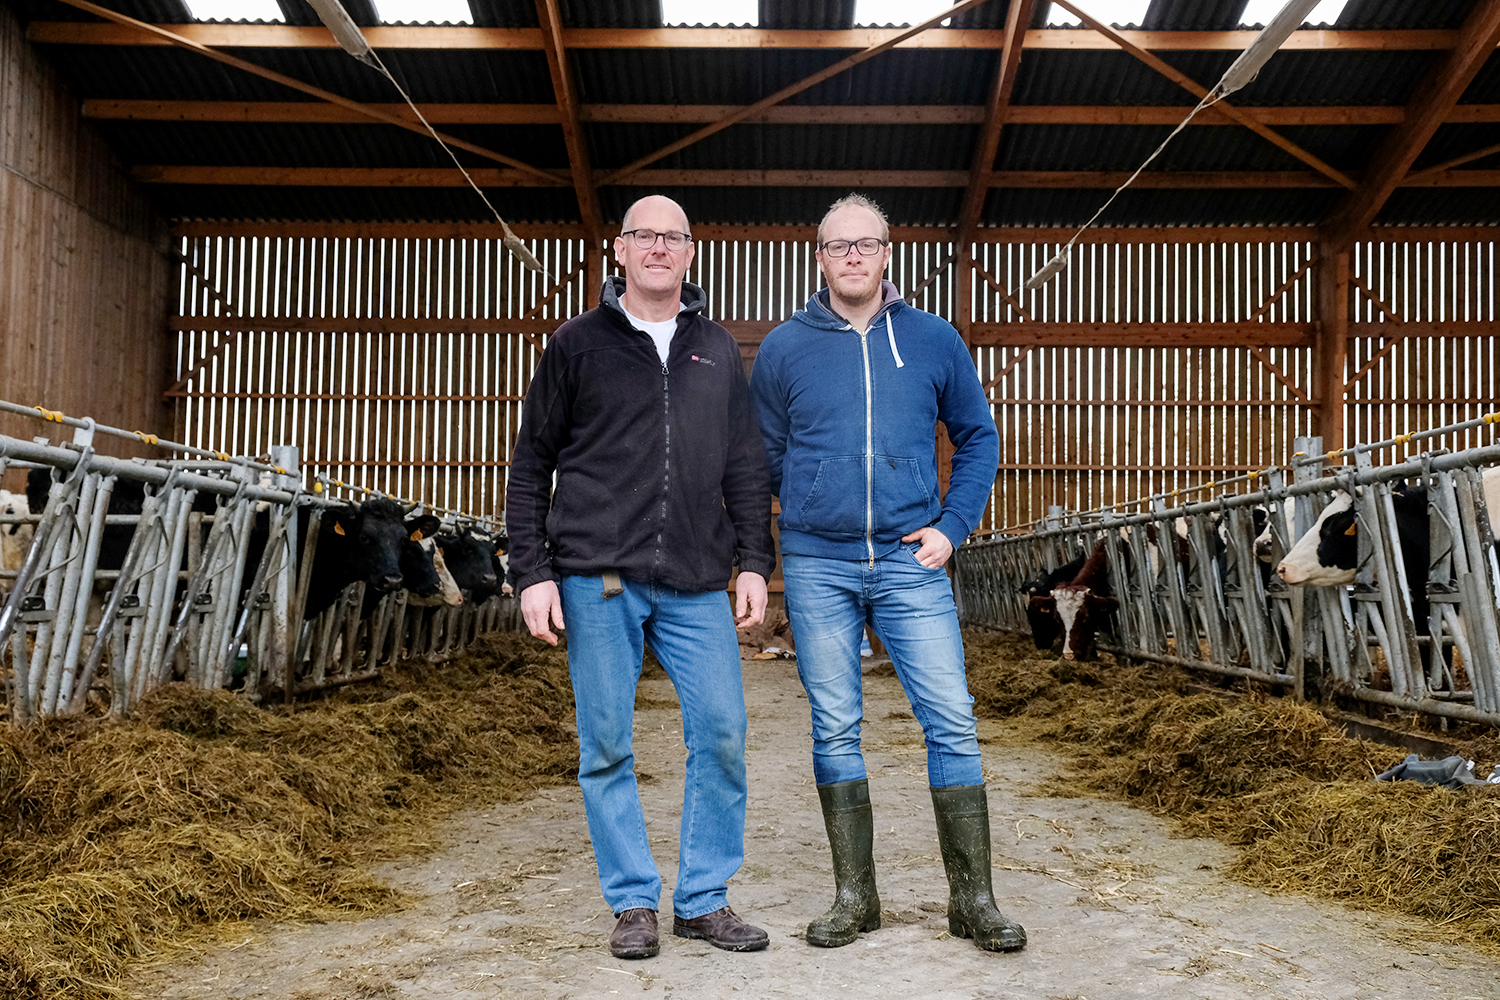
{"x":856,"y":290}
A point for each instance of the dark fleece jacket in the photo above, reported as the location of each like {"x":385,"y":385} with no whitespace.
{"x":660,"y":474}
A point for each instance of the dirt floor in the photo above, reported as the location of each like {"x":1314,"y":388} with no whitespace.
{"x":508,"y":904}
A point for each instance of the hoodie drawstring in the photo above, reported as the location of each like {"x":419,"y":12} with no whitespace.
{"x":891,"y":334}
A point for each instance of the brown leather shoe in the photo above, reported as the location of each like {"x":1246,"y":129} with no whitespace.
{"x":635,"y":935}
{"x":723,"y":929}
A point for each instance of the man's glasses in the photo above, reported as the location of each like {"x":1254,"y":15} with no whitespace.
{"x":867,"y":247}
{"x":645,"y":239}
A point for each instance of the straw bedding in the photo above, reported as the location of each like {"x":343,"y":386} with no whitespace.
{"x":1275,"y":778}
{"x":121,"y":840}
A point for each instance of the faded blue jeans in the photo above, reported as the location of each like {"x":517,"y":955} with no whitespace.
{"x":693,"y":636}
{"x":829,"y":602}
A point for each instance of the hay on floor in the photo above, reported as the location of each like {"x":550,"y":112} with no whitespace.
{"x":1275,"y":778}
{"x":119,"y":841}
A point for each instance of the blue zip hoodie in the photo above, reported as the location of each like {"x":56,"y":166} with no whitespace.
{"x":848,"y":422}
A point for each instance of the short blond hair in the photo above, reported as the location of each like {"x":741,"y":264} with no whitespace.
{"x":857,"y":201}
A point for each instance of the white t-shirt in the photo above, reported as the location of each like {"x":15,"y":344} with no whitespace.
{"x":661,"y":333}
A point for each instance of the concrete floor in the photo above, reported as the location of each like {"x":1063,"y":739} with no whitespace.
{"x":508,"y":902}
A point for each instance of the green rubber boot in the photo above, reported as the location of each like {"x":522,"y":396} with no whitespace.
{"x":963,"y":822}
{"x":851,"y":834}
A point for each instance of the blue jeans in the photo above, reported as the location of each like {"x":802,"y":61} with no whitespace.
{"x":693,"y":637}
{"x":829,"y":602}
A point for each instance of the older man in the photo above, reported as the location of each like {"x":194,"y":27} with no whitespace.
{"x":641,"y":410}
{"x":848,"y":393}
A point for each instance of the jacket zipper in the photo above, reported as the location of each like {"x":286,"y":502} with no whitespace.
{"x":666,"y":473}
{"x":864,"y":344}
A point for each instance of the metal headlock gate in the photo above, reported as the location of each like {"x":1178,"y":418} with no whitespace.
{"x":185,"y":603}
{"x":1208,"y":610}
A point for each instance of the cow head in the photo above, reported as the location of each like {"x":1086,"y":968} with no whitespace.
{"x":1326,"y":555}
{"x":378,"y":534}
{"x":1081,"y":613}
{"x":470,"y":556}
{"x":1046,"y":628}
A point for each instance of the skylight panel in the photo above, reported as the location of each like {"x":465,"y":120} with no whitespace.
{"x":1261,"y":12}
{"x":900,"y":13}
{"x":740,"y":13}
{"x":423,"y":11}
{"x":235,"y":10}
{"x":1112,"y":12}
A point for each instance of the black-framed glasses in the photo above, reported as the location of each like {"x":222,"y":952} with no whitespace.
{"x":867,"y":247}
{"x":645,"y":239}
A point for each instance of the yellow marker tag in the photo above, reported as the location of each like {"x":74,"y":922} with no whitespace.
{"x":1353,"y":530}
{"x":416,"y":536}
{"x":338,"y":529}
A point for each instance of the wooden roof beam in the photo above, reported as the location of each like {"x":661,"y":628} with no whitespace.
{"x":567,"y":108}
{"x":449,"y":37}
{"x":490,"y":177}
{"x":1435,"y":96}
{"x":319,"y":112}
{"x":789,"y":91}
{"x":1017,"y":17}
{"x":142,"y":29}
{"x":1192,"y":87}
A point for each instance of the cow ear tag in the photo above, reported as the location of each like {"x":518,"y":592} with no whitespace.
{"x":338,"y":529}
{"x":1353,"y":530}
{"x":416,"y":536}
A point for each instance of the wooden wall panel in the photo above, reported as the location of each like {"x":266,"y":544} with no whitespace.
{"x":1146,"y":367}
{"x":84,"y":274}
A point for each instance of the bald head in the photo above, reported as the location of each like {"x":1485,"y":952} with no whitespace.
{"x":658,"y":202}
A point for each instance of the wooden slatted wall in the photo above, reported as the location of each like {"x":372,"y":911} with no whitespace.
{"x":1145,"y":367}
{"x":1423,"y":350}
{"x":396,"y":364}
{"x":1086,"y":424}
{"x":84,"y":267}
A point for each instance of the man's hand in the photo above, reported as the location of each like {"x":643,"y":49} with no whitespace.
{"x":541,"y":605}
{"x":749,"y":600}
{"x":935,"y":548}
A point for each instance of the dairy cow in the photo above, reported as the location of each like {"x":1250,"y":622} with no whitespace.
{"x":15,"y":539}
{"x":470,"y":557}
{"x":423,"y":569}
{"x":1045,"y":629}
{"x":1326,"y":555}
{"x":1082,"y":606}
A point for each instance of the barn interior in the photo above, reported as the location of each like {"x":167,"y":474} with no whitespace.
{"x":217,"y":228}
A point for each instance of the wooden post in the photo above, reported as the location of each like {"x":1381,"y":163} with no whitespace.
{"x":1330,"y":357}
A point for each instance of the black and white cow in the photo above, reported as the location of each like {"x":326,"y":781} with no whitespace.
{"x":15,"y":539}
{"x":470,"y":557}
{"x":424,"y":571}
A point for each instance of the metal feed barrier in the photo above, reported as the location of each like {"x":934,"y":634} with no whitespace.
{"x":1210,"y":612}
{"x":185,"y":603}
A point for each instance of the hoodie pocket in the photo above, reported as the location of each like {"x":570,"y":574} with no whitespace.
{"x":902,"y":500}
{"x":835,"y":502}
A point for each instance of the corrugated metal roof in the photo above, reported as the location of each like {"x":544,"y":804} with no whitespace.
{"x":1390,"y":14}
{"x":794,"y":206}
{"x":466,"y":75}
{"x":1206,"y":147}
{"x":155,"y":11}
{"x":1452,"y":141}
{"x":361,"y":204}
{"x":1442,"y":207}
{"x":807,"y":15}
{"x":339,"y":146}
{"x":737,"y":76}
{"x":1148,"y":207}
{"x":792,"y":147}
{"x":1193,"y":15}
